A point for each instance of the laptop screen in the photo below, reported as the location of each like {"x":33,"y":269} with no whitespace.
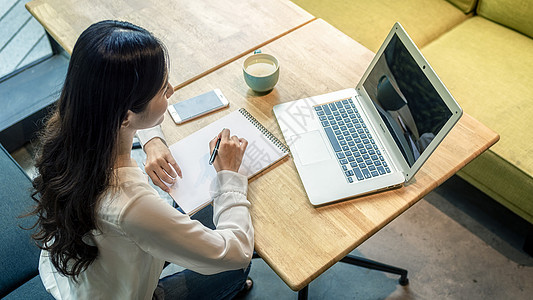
{"x":406,"y":100}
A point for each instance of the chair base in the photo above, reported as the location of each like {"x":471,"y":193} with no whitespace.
{"x":365,"y":263}
{"x":361,"y":262}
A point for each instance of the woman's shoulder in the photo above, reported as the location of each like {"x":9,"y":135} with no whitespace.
{"x":128,"y":174}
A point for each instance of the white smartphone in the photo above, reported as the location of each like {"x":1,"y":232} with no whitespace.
{"x":195,"y":107}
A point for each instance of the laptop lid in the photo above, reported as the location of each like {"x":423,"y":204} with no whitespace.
{"x":411,"y":107}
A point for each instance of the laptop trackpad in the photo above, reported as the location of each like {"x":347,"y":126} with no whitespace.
{"x":310,"y":147}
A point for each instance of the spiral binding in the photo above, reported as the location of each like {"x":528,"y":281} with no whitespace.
{"x":264,"y":131}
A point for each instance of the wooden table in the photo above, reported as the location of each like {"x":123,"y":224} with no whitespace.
{"x":200,"y":35}
{"x":297,"y":240}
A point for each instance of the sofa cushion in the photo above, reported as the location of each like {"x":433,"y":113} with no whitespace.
{"x":487,"y":68}
{"x":503,"y":182}
{"x":369,"y":21}
{"x":32,"y":289}
{"x":20,"y":256}
{"x":515,"y":14}
{"x":467,"y":6}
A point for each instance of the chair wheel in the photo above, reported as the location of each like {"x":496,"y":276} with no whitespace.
{"x":404,"y":282}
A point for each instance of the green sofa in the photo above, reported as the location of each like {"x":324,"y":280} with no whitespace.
{"x":483,"y":52}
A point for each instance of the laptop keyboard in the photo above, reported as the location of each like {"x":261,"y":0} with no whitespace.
{"x":354,"y":146}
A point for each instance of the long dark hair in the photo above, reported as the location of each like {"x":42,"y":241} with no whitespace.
{"x":115,"y":67}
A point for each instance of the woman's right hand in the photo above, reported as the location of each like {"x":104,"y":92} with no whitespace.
{"x":230,"y":151}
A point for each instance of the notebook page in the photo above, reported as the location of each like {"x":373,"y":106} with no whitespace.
{"x":192,"y":154}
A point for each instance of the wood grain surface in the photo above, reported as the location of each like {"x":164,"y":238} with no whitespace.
{"x":200,"y":35}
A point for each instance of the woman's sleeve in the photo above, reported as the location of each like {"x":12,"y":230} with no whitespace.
{"x":145,"y":135}
{"x":159,"y":229}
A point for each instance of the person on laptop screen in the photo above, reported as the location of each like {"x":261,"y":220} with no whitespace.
{"x":415,"y":122}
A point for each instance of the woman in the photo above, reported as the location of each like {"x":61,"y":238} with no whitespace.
{"x":104,"y":231}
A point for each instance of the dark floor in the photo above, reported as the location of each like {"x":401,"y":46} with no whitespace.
{"x":456,"y":243}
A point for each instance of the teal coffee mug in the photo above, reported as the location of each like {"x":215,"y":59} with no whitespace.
{"x":261,"y":71}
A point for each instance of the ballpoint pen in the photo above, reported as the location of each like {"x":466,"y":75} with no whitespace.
{"x":215,"y":151}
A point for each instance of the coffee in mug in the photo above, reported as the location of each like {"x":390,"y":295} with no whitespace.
{"x":261,"y":71}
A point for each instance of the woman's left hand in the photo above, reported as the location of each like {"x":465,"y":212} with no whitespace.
{"x":160,"y":164}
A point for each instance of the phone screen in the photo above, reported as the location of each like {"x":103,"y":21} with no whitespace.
{"x":198,"y":105}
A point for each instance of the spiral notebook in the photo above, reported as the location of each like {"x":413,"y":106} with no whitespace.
{"x":194,"y":190}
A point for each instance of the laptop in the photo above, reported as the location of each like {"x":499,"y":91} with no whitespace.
{"x":375,"y":136}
